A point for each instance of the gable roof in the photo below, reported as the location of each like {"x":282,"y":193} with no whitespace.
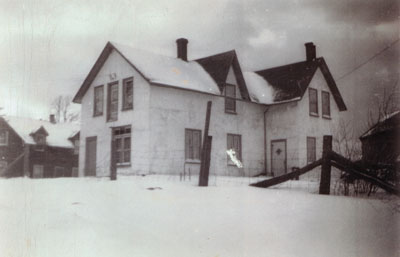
{"x":58,"y":133}
{"x":390,"y":122}
{"x":291,"y":81}
{"x":156,"y":69}
{"x":218,"y":67}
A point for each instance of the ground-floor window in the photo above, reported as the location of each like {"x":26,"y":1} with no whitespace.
{"x":58,"y":171}
{"x":311,"y":149}
{"x":122,"y":137}
{"x":38,"y":171}
{"x":234,"y":142}
{"x":75,"y":172}
{"x":3,"y":166}
{"x":192,"y":144}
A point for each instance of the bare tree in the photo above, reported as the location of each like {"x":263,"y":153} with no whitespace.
{"x":62,"y":109}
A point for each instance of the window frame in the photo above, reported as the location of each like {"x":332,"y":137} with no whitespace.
{"x":190,"y":133}
{"x":95,"y":90}
{"x":120,"y":153}
{"x":327,"y":104}
{"x":6,"y":135}
{"x":5,"y":164}
{"x":311,"y":159}
{"x":230,"y":98}
{"x":59,"y":168}
{"x":239,"y":156}
{"x":39,"y":146}
{"x":125,"y":105}
{"x":109,"y":113}
{"x":311,"y":112}
{"x":76,"y":146}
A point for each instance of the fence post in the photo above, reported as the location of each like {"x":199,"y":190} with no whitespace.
{"x":113,"y":164}
{"x":325,"y":182}
{"x":205,"y":151}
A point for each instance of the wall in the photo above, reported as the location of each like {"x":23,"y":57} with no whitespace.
{"x":173,"y":110}
{"x":10,"y":152}
{"x":138,"y":118}
{"x":291,"y":121}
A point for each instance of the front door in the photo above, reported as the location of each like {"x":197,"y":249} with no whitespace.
{"x":90,"y":163}
{"x":278,"y":157}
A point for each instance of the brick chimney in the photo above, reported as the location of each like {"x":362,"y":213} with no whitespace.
{"x":310,"y":51}
{"x":52,"y":118}
{"x":181,"y":44}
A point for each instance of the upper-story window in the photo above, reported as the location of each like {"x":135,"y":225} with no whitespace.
{"x":326,"y":105}
{"x":40,"y":140}
{"x":313,"y":97}
{"x":311,"y":149}
{"x":3,"y":137}
{"x":98,"y":100}
{"x":230,"y":98}
{"x":127,"y":94}
{"x":76,"y":146}
{"x":112,"y":102}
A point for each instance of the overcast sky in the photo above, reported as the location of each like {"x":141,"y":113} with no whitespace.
{"x":47,"y":47}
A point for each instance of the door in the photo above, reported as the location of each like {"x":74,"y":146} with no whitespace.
{"x":90,"y":157}
{"x":278,"y":157}
{"x":38,"y":171}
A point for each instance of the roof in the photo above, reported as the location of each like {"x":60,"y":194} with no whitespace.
{"x":290,"y":81}
{"x":389,"y":122}
{"x":157,"y":69}
{"x":58,"y":133}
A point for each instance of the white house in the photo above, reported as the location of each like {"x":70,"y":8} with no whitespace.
{"x":154,"y":107}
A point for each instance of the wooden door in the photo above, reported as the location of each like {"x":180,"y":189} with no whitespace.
{"x":278,"y":157}
{"x":90,"y":157}
{"x":38,"y":171}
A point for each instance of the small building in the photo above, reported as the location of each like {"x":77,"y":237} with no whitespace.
{"x":38,"y":148}
{"x":381,"y":143}
{"x":154,"y":107}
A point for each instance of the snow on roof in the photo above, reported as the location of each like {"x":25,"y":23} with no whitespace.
{"x":380,"y":126}
{"x":169,"y":71}
{"x":259,"y":89}
{"x":58,"y":133}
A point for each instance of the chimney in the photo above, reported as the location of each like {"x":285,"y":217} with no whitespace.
{"x":52,"y":118}
{"x":310,"y":51}
{"x":181,"y":44}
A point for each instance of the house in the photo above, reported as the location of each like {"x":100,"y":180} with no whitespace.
{"x":38,"y":148}
{"x":381,"y":143}
{"x":154,"y":108}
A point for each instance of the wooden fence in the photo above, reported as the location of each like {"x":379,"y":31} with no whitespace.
{"x":329,"y":159}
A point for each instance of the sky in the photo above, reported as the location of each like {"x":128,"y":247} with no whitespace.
{"x":47,"y":47}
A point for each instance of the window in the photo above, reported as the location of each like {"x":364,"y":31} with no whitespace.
{"x":122,"y":137}
{"x":230,"y":98}
{"x":75,"y":172}
{"x":40,"y":140}
{"x":326,"y":105}
{"x":3,"y":166}
{"x":127,"y":98}
{"x":58,"y":171}
{"x":313,"y":101}
{"x":98,"y":100}
{"x":234,"y":142}
{"x":192,"y":144}
{"x":3,"y":137}
{"x":311,"y":149}
{"x":112,"y":102}
{"x":38,"y":171}
{"x":76,"y":146}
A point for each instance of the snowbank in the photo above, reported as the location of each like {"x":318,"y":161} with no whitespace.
{"x":97,"y":217}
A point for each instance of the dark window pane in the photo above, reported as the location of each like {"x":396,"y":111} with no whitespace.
{"x":326,"y":104}
{"x":313,"y":97}
{"x":127,"y":143}
{"x":118,"y":143}
{"x":127,"y":156}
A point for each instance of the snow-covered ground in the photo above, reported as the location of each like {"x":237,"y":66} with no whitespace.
{"x":97,"y":217}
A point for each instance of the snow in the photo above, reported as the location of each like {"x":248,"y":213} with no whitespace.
{"x":259,"y":89}
{"x":58,"y":133}
{"x":169,"y":71}
{"x":97,"y":217}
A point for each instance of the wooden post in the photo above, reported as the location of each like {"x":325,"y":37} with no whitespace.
{"x":205,"y":151}
{"x":27,"y":169}
{"x":325,"y":183}
{"x":113,"y":166}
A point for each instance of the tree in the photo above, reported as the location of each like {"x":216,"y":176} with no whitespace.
{"x":63,"y":111}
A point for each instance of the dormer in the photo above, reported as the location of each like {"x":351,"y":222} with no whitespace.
{"x":39,"y":136}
